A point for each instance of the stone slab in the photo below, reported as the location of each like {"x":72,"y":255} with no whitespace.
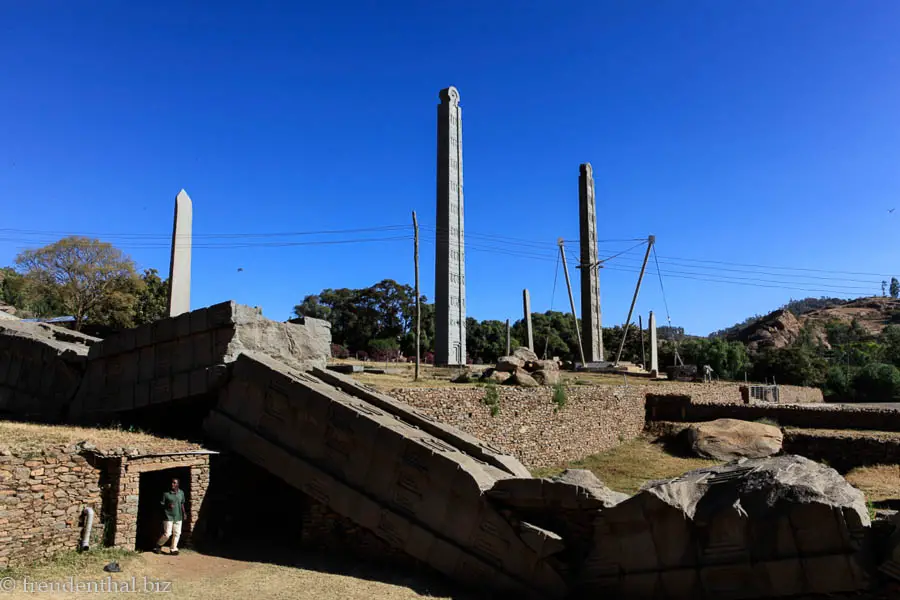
{"x":376,"y":446}
{"x":181,"y":357}
{"x":346,"y":369}
{"x":753,"y":529}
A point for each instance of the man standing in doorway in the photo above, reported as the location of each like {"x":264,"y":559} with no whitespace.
{"x":173,"y":508}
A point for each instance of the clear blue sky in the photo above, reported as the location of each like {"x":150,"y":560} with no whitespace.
{"x":755,"y":132}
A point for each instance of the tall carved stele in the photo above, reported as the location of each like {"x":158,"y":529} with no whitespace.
{"x":180,"y":262}
{"x":592,"y":322}
{"x":450,"y":258}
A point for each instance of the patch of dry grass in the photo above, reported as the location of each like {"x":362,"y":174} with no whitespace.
{"x":628,"y":466}
{"x":33,"y":437}
{"x":878,"y":483}
{"x":437,"y":377}
{"x":585,"y":378}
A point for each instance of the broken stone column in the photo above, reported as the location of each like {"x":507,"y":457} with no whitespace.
{"x":526,"y":305}
{"x":775,"y":527}
{"x":891,"y":565}
{"x":185,"y":357}
{"x":418,"y":485}
{"x":654,"y":357}
{"x":41,"y":367}
{"x":180,"y":261}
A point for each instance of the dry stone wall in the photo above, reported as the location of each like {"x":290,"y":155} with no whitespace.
{"x":530,"y":426}
{"x":824,"y":416}
{"x":42,"y":497}
{"x":595,"y":418}
{"x":845,"y":450}
{"x":127,"y":480}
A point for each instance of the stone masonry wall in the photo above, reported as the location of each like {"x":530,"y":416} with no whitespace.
{"x":530,"y":427}
{"x":128,"y":498}
{"x":677,"y":408}
{"x":843,"y":450}
{"x":595,"y":418}
{"x":42,"y":496}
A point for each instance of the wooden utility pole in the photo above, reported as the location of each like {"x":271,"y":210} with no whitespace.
{"x":562,"y":253}
{"x":418,"y":300}
{"x":650,"y":241}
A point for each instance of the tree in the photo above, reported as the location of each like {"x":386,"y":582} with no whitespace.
{"x":794,"y":365}
{"x":890,"y":343}
{"x":486,"y":340}
{"x":313,"y":308}
{"x":153,"y":299}
{"x":877,"y":382}
{"x":838,"y":384}
{"x":895,"y":287}
{"x":12,"y":288}
{"x":89,"y":277}
{"x":385,"y":310}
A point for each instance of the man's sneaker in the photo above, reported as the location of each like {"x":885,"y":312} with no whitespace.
{"x":157,"y":550}
{"x":173,"y":553}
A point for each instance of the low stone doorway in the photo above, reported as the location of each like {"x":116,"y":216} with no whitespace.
{"x":150,"y":512}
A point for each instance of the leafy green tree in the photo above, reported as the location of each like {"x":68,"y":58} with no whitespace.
{"x":384,"y":349}
{"x":838,"y":332}
{"x":554,"y":334}
{"x":153,"y":298}
{"x":89,"y":278}
{"x":729,"y":360}
{"x":385,"y":310}
{"x":486,"y":340}
{"x":312,"y":307}
{"x":890,"y":344}
{"x":877,"y":382}
{"x":13,"y":288}
{"x":838,"y":384}
{"x":794,"y":365}
{"x":895,"y":287}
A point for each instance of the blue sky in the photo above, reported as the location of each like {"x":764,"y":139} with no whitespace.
{"x":748,"y":133}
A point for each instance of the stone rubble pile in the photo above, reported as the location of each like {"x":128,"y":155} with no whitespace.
{"x":523,"y":368}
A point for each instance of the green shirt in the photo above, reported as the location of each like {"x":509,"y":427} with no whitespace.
{"x":172,"y":502}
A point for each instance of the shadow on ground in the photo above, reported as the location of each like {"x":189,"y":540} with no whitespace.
{"x":419,"y":579}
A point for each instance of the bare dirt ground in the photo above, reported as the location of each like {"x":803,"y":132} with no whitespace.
{"x":196,"y":576}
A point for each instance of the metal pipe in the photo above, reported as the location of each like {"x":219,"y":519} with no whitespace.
{"x":562,"y":252}
{"x":88,"y":514}
{"x":650,"y":241}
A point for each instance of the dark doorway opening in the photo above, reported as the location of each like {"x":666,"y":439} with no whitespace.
{"x":153,"y":485}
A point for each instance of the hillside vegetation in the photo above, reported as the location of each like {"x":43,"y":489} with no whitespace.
{"x":850,"y":348}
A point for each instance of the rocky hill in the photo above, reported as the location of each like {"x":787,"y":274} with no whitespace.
{"x":782,"y":328}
